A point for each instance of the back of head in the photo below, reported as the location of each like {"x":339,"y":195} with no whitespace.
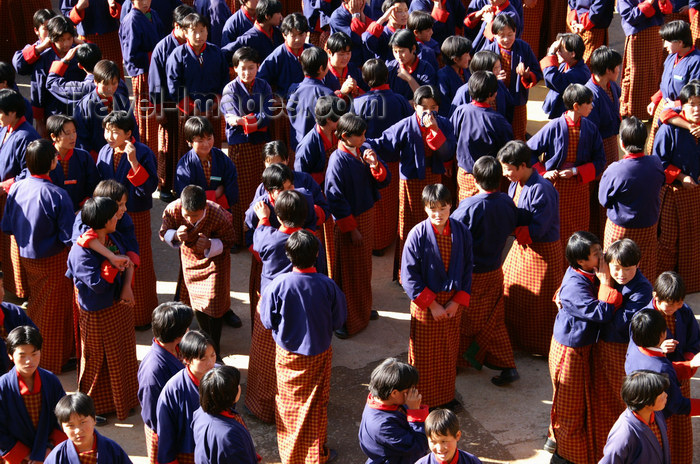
{"x":515,"y":152}
{"x":338,"y":42}
{"x":453,"y":47}
{"x":197,"y":126}
{"x":23,"y":335}
{"x":275,"y":176}
{"x":74,"y":403}
{"x":180,"y":13}
{"x":419,"y":20}
{"x":194,"y":345}
{"x":39,"y":156}
{"x":691,"y":89}
{"x":647,"y":328}
{"x":119,"y":120}
{"x":291,"y":208}
{"x":604,"y":59}
{"x":633,"y":134}
{"x":578,"y":247}
{"x":502,"y":21}
{"x":482,"y":85}
{"x":624,"y":252}
{"x":573,"y":43}
{"x":275,"y":149}
{"x":484,"y":60}
{"x":329,"y":108}
{"x":97,"y":211}
{"x":12,"y":102}
{"x":677,"y":30}
{"x":403,"y":38}
{"x":170,"y":321}
{"x":59,"y":25}
{"x":669,"y":287}
{"x":41,"y":16}
{"x":88,"y":55}
{"x":266,"y":9}
{"x":312,"y":60}
{"x":391,"y":375}
{"x":245,"y":54}
{"x":111,"y":188}
{"x":193,"y":198}
{"x":424,"y":92}
{"x":642,"y":387}
{"x":375,"y":72}
{"x":302,"y":249}
{"x":442,"y":422}
{"x":106,"y":71}
{"x":576,"y":93}
{"x":294,"y":21}
{"x":218,"y":389}
{"x":435,"y":195}
{"x":487,"y":172}
{"x":350,"y":124}
{"x":7,"y":74}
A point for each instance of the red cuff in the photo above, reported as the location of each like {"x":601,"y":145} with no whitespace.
{"x":656,"y":98}
{"x":667,"y":114}
{"x":683,"y":370}
{"x":17,"y":454}
{"x":647,"y":10}
{"x":357,"y":26}
{"x":671,"y":173}
{"x":87,"y":237}
{"x":539,"y":167}
{"x":610,"y":296}
{"x":462,"y":298}
{"x":694,"y":407}
{"x":29,"y":54}
{"x":425,"y":298}
{"x":223,"y":202}
{"x":418,"y":415}
{"x":549,"y":61}
{"x":76,"y":16}
{"x":136,"y":259}
{"x":692,"y":12}
{"x":571,"y":17}
{"x":320,"y":215}
{"x":522,"y":235}
{"x":435,"y":139}
{"x":586,"y":172}
{"x":319,"y":177}
{"x":665,"y":6}
{"x":115,"y":11}
{"x":375,"y":29}
{"x":471,"y":22}
{"x":186,"y":105}
{"x":57,"y":436}
{"x":250,"y":124}
{"x":6,"y":184}
{"x":109,"y":272}
{"x":138,"y":177}
{"x":528,"y":84}
{"x":440,"y":14}
{"x":347,"y":224}
{"x":264,"y":222}
{"x":586,"y":22}
{"x":38,"y":114}
{"x":379,"y":173}
{"x":58,"y":67}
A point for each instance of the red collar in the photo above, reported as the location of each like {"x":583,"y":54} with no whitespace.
{"x":247,"y":86}
{"x":250,"y":18}
{"x":412,"y":67}
{"x":307,"y":270}
{"x":394,"y":30}
{"x":272,"y":200}
{"x":381,"y":87}
{"x":356,"y":154}
{"x":505,"y":5}
{"x":24,"y":390}
{"x":651,"y":418}
{"x":102,"y":98}
{"x":445,"y":231}
{"x":42,"y":176}
{"x":204,"y":47}
{"x":94,"y":445}
{"x":570,"y":122}
{"x":228,"y":413}
{"x":296,"y":55}
{"x":326,"y":143}
{"x":192,"y":377}
{"x":633,"y":155}
{"x":179,"y":41}
{"x":653,"y":354}
{"x":679,"y":57}
{"x":507,"y":50}
{"x":454,"y":460}
{"x":595,"y":81}
{"x":288,"y":230}
{"x":376,"y":404}
{"x":481,"y":104}
{"x":67,"y":157}
{"x":20,"y":121}
{"x":2,"y":317}
{"x":590,"y":276}
{"x":343,"y":73}
{"x":177,"y":348}
{"x":259,"y":27}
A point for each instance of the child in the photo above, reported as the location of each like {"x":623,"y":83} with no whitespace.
{"x":106,"y":317}
{"x":590,"y":20}
{"x":486,"y":60}
{"x":490,"y":216}
{"x":567,"y":49}
{"x":532,"y":270}
{"x":421,"y":23}
{"x":448,"y":16}
{"x":179,"y":399}
{"x":70,"y":92}
{"x":352,"y":18}
{"x":134,"y":165}
{"x":436,"y":274}
{"x":293,"y":301}
{"x":483,"y":14}
{"x":623,"y":258}
{"x":7,"y":81}
{"x":377,"y":36}
{"x":202,"y":230}
{"x":15,"y":132}
{"x":28,"y":427}
{"x":442,"y":430}
{"x":216,"y":12}
{"x":342,"y":76}
{"x":265,"y":35}
{"x":76,"y":414}
{"x":456,"y":52}
{"x":648,"y":332}
{"x":521,"y":70}
{"x":170,"y":322}
{"x":480,"y":130}
{"x":239,"y":23}
{"x":392,"y":426}
{"x":354,"y":175}
{"x":220,"y":435}
{"x":629,"y":190}
{"x":11,"y":316}
{"x":39,"y":215}
{"x":406,"y":71}
{"x":573,"y":156}
{"x":679,"y":156}
{"x":640,"y":432}
{"x":585,"y":306}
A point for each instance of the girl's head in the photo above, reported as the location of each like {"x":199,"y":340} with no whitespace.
{"x":404,"y":45}
{"x":110,"y":188}
{"x":605,"y":62}
{"x":633,"y":134}
{"x":456,"y":51}
{"x":100,"y":213}
{"x":399,"y":18}
{"x":583,"y":251}
{"x":197,"y":351}
{"x":391,"y":375}
{"x":645,"y":388}
{"x":61,"y":129}
{"x":219,"y":389}
{"x":351,"y":130}
{"x":504,"y":29}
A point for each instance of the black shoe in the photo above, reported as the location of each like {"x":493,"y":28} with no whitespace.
{"x":235,"y":249}
{"x":332,"y":455}
{"x":70,"y":365}
{"x":232,"y":319}
{"x":550,"y":446}
{"x":377,"y":252}
{"x":143,"y":328}
{"x":100,"y":421}
{"x":167,"y":196}
{"x":556,"y":459}
{"x":373,"y":315}
{"x":507,"y":376}
{"x":342,"y":333}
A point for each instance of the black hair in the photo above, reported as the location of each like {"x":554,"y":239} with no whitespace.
{"x":197,"y":126}
{"x":291,"y":208}
{"x":391,"y":375}
{"x":329,"y":108}
{"x":39,"y":156}
{"x":266,"y":9}
{"x":121,"y":120}
{"x":633,"y":134}
{"x":404,"y":38}
{"x":576,"y":93}
{"x":275,"y":175}
{"x":386,"y":4}
{"x":74,"y":403}
{"x":441,"y":422}
{"x":294,"y":21}
{"x":502,"y":21}
{"x":41,"y":16}
{"x":23,"y":335}
{"x":487,"y":172}
{"x":218,"y":389}
{"x":338,"y":42}
{"x":302,"y":249}
{"x":573,"y":43}
{"x":56,"y":123}
{"x":604,"y":59}
{"x":691,"y":89}
{"x":426,"y":91}
{"x":106,"y":71}
{"x":111,"y":188}
{"x":482,"y":85}
{"x":170,"y":321}
{"x":578,"y":247}
{"x":350,"y":124}
{"x":647,"y":327}
{"x":12,"y":102}
{"x":88,"y":55}
{"x":419,"y":20}
{"x":193,"y":20}
{"x":193,"y":198}
{"x":484,"y":60}
{"x":59,"y":25}
{"x":669,"y":286}
{"x":677,"y":30}
{"x":624,"y":252}
{"x":436,"y":195}
{"x":7,"y":74}
{"x":312,"y":60}
{"x":453,"y":47}
{"x":180,"y":13}
{"x":96,"y":212}
{"x":375,"y":72}
{"x":274,"y":149}
{"x":642,"y":387}
{"x":194,"y":345}
{"x":245,"y":54}
{"x":515,"y":153}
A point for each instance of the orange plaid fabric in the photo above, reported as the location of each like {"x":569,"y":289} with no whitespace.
{"x":466,"y":184}
{"x":654,"y":127}
{"x":206,"y":166}
{"x":3,"y":332}
{"x":117,"y":157}
{"x":144,"y":112}
{"x":642,"y":66}
{"x":444,"y":243}
{"x":144,"y":282}
{"x":88,"y":457}
{"x":657,"y":433}
{"x":151,"y":444}
{"x":595,"y":38}
{"x":574,"y":207}
{"x":695,"y":29}
{"x":519,"y":122}
{"x":254,"y":285}
{"x":506,"y":64}
{"x":262,"y":381}
{"x":532,"y":25}
{"x":33,"y":404}
{"x":386,"y":211}
{"x":518,"y":191}
{"x":15,"y":279}
{"x":607,"y":375}
{"x":670,"y":323}
{"x":329,"y":242}
{"x":109,"y":46}
{"x":572,"y":147}
{"x":645,"y":238}
{"x":185,"y":458}
{"x":64,"y":165}
{"x":680,"y":432}
{"x":167,"y":147}
{"x":247,"y":158}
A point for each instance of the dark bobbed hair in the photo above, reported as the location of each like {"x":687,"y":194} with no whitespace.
{"x":88,"y":55}
{"x":515,"y":152}
{"x":294,"y":21}
{"x":573,"y":43}
{"x":59,"y":25}
{"x":96,"y":212}
{"x":7,"y":74}
{"x":482,"y":85}
{"x":312,"y":60}
{"x":75,"y":403}
{"x":274,"y":149}
{"x":193,"y":20}
{"x":502,"y":21}
{"x":487,"y":172}
{"x":576,"y":93}
{"x":604,"y":59}
{"x":453,"y":47}
{"x":302,"y":249}
{"x":266,"y":9}
{"x":691,"y":89}
{"x":106,"y":71}
{"x":677,"y":30}
{"x":441,"y":422}
{"x":647,"y":327}
{"x":350,"y":124}
{"x":338,"y":42}
{"x":56,"y":123}
{"x":39,"y":156}
{"x":291,"y":208}
{"x":625,"y":252}
{"x":218,"y":389}
{"x":391,"y":375}
{"x":578,"y":247}
{"x":633,"y":134}
{"x":484,"y":60}
{"x":170,"y":321}
{"x":41,"y":16}
{"x":436,"y":195}
{"x":197,"y":126}
{"x":23,"y":335}
{"x":180,"y":13}
{"x":194,"y":345}
{"x":193,"y":198}
{"x":121,"y":120}
{"x":642,"y":387}
{"x":275,"y":175}
{"x":245,"y":54}
{"x":419,"y":20}
{"x":375,"y":72}
{"x":329,"y":108}
{"x":111,"y":188}
{"x":12,"y":102}
{"x":404,"y":38}
{"x":669,"y":287}
{"x":426,"y":91}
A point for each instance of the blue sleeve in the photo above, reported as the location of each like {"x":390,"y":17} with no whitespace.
{"x":412,"y":279}
{"x":230,"y":181}
{"x":542,"y":214}
{"x":148,"y":160}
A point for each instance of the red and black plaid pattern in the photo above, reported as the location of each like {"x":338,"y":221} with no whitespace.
{"x":607,"y":373}
{"x":109,"y":46}
{"x":206,"y":167}
{"x":353,"y":271}
{"x":570,"y":370}
{"x":466,"y":184}
{"x":116,"y":158}
{"x":519,"y":122}
{"x":151,"y":444}
{"x":145,"y":114}
{"x":654,"y":127}
{"x":555,"y":20}
{"x":185,"y":458}
{"x":642,"y":66}
{"x":695,"y":29}
{"x":329,"y":242}
{"x":678,"y":225}
{"x":144,"y":281}
{"x":386,"y":211}
{"x":249,"y":165}
{"x":88,"y":457}
{"x":64,"y":165}
{"x":304,"y":385}
{"x":167,"y":149}
{"x":483,"y":324}
{"x":533,"y":17}
{"x":108,"y":359}
{"x":254,"y":285}
{"x":15,"y":276}
{"x":680,"y":432}
{"x":531,"y":276}
{"x":598,"y":211}
{"x":645,"y":238}
{"x":50,"y":307}
{"x":574,"y":207}
{"x":3,"y":332}
{"x":33,"y":404}
{"x":506,"y":64}
{"x":444,"y":243}
{"x":572,"y":147}
{"x":593,"y":39}
{"x":670,"y":323}
{"x":22,"y":13}
{"x":262,"y":381}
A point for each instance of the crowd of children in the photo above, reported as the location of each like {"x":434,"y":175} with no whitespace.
{"x":317,"y":136}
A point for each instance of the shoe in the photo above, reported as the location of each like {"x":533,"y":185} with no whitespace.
{"x":143,"y":328}
{"x":70,"y":365}
{"x":377,"y":252}
{"x":100,"y":421}
{"x":550,"y":446}
{"x":332,"y":455}
{"x":342,"y":333}
{"x":232,"y":319}
{"x":235,"y":249}
{"x":507,"y":376}
{"x":556,"y":459}
{"x":167,"y":196}
{"x":373,"y":315}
